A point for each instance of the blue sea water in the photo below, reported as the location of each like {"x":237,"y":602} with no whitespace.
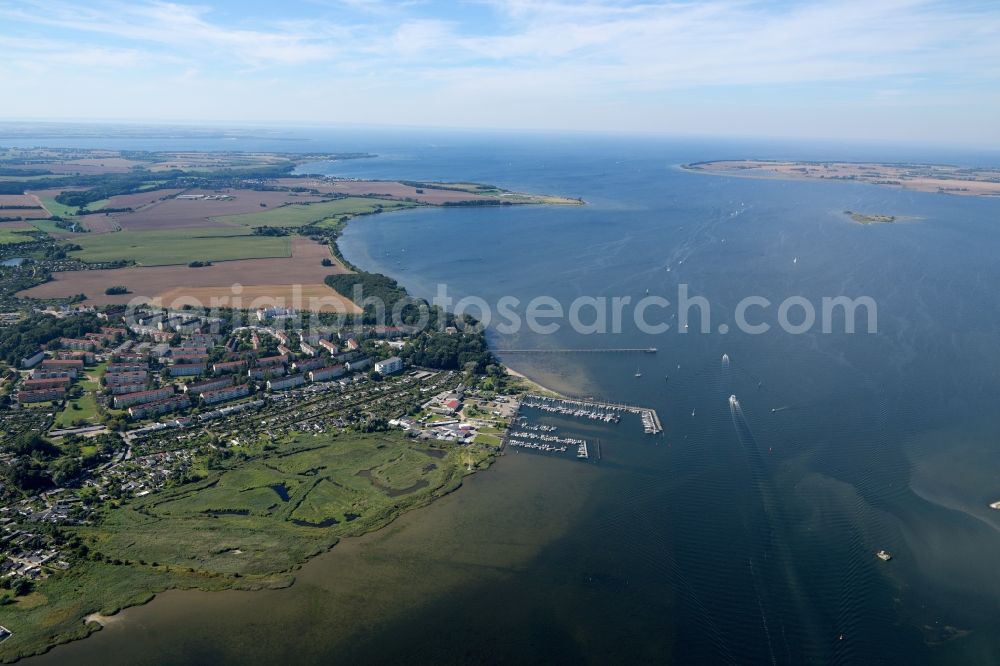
{"x":738,"y":535}
{"x":763,"y":529}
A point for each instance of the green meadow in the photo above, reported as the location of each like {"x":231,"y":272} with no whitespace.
{"x":179,"y":246}
{"x":48,"y":226}
{"x":10,"y":235}
{"x":61,"y":210}
{"x":270,"y":507}
{"x":298,"y":215}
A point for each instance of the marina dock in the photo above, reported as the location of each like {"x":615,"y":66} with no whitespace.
{"x":538,"y":437}
{"x":609,"y":412}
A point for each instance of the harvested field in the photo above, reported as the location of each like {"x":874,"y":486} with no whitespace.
{"x":17,"y":226}
{"x":313,"y":297}
{"x":84,"y":166}
{"x":100,"y":224}
{"x":19,"y":200}
{"x":140,"y":199}
{"x":26,"y":213}
{"x":258,"y":277}
{"x":22,"y":206}
{"x":186,"y":213}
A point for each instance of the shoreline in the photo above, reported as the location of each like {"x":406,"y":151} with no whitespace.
{"x":532,"y":384}
{"x":97,"y":619}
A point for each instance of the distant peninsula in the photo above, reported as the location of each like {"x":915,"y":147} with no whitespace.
{"x":943,"y":179}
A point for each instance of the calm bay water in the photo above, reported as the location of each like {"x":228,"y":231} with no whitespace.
{"x":739,"y":538}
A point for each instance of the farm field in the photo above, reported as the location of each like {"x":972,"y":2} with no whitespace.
{"x":139,"y":199}
{"x":274,"y":277}
{"x":83,"y":167}
{"x":309,"y":296}
{"x":60,"y":210}
{"x":25,"y":213}
{"x":99,"y":224}
{"x":21,"y":205}
{"x":174,"y":213}
{"x":162,"y":248}
{"x":429,"y":193}
{"x":50,"y":227}
{"x":13,"y":232}
{"x":19,"y":200}
{"x":297,"y":215}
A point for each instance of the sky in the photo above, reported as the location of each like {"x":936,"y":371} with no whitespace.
{"x":893,"y":70}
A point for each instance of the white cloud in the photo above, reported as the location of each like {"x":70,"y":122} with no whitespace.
{"x":545,"y":63}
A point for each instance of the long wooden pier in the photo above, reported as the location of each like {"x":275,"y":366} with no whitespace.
{"x":609,"y":350}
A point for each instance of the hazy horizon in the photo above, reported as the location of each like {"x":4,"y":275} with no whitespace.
{"x":902,"y":71}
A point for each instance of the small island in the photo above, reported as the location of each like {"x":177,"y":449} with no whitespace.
{"x":863,"y":218}
{"x":939,"y":178}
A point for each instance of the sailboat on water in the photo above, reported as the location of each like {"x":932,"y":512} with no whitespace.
{"x":638,"y":373}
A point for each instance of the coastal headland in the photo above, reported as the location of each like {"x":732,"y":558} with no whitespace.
{"x":232,"y":456}
{"x":940,"y":178}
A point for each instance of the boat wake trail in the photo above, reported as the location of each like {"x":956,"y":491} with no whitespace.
{"x":743,"y":430}
{"x":763,"y":615}
{"x":771,"y":566}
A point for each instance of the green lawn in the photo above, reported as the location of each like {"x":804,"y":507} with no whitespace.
{"x":180,"y":246}
{"x":297,"y":215}
{"x":86,"y":409}
{"x":86,"y":405}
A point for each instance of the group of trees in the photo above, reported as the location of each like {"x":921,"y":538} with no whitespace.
{"x":270,"y":231}
{"x":460,"y":350}
{"x":39,"y":464}
{"x":30,"y":469}
{"x":372,"y":290}
{"x":25,"y":337}
{"x":446,"y":342}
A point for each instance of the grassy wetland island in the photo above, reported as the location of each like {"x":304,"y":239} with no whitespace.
{"x":183,"y":449}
